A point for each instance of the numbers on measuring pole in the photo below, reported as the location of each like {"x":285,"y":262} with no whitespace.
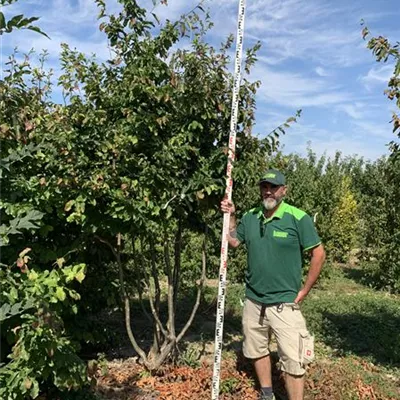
{"x":229,"y":184}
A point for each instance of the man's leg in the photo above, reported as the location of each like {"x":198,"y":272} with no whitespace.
{"x":263,"y":370}
{"x":290,"y":329}
{"x":294,"y":386}
{"x":256,"y":345}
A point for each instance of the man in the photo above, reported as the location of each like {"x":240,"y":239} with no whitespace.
{"x":276,"y":234}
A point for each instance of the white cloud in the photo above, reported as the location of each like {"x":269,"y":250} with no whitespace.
{"x":371,"y":129}
{"x":377,"y":75}
{"x":322,"y":72}
{"x":327,"y":141}
{"x":296,"y":90}
{"x":294,"y":29}
{"x":355,"y":111}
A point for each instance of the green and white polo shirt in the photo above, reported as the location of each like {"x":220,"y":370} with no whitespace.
{"x":274,"y":252}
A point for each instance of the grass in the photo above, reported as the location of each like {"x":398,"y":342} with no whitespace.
{"x":352,"y":319}
{"x":357,"y":333}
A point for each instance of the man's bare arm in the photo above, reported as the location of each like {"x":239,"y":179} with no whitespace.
{"x":228,"y":206}
{"x":232,"y":235}
{"x":316,"y":263}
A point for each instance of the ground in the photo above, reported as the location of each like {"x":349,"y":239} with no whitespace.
{"x":357,"y":332}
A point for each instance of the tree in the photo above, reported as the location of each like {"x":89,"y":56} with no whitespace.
{"x":36,"y":351}
{"x":134,"y":160}
{"x":388,"y":273}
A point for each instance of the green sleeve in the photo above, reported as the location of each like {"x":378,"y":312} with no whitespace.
{"x":308,"y":234}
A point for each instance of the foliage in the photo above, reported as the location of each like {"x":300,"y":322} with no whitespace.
{"x":131,"y":167}
{"x":17,"y":21}
{"x":344,"y":229}
{"x":323,"y":187}
{"x":190,"y":357}
{"x":36,"y":353}
{"x":229,"y":385}
{"x":389,"y":255}
{"x":41,"y":355}
{"x":383,"y":51}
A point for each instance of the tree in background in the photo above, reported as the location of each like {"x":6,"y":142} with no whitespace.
{"x":344,"y":230}
{"x":323,"y":187}
{"x":387,"y":273}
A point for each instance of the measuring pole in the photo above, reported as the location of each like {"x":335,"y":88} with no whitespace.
{"x":228,"y":192}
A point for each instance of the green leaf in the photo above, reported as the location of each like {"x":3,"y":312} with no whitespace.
{"x":4,"y":311}
{"x":14,"y":22}
{"x":156,"y":18}
{"x":80,"y":276}
{"x":79,"y":272}
{"x":397,"y":68}
{"x":133,"y":139}
{"x":38,"y":30}
{"x":60,"y":261}
{"x":32,"y":275}
{"x":27,"y":222}
{"x":60,"y":293}
{"x":2,"y":21}
{"x":35,"y":390}
{"x":30,"y":20}
{"x":69,"y":205}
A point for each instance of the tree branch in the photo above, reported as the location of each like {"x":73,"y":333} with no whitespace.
{"x":125,"y":299}
{"x":139,"y":280}
{"x":199,"y":290}
{"x":177,"y":262}
{"x":171,"y":315}
{"x":154,"y":272}
{"x":155,"y":275}
{"x":155,"y":314}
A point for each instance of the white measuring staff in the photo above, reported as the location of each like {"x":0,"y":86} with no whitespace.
{"x":225,"y":230}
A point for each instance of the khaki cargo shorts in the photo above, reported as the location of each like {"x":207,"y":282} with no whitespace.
{"x":295,"y":344}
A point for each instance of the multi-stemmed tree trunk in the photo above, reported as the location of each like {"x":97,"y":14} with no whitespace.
{"x":166,"y":333}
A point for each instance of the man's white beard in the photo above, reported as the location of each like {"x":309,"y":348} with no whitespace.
{"x":270,"y":203}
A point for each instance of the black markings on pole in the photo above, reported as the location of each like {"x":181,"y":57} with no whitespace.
{"x":228,"y":191}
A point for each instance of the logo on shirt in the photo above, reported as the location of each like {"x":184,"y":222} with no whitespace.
{"x":280,"y":234}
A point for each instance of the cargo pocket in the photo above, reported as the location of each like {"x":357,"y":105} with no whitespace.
{"x":306,"y":348}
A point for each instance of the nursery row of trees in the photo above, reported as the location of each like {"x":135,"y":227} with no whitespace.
{"x":113,"y":197}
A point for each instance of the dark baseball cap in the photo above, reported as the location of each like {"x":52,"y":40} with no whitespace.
{"x":273,"y":176}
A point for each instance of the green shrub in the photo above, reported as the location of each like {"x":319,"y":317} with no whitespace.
{"x":190,"y":357}
{"x":41,"y":356}
{"x":344,"y":226}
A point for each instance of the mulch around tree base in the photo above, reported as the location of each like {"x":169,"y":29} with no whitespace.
{"x":129,"y":380}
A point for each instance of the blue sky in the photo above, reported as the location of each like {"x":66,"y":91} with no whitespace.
{"x":312,"y":57}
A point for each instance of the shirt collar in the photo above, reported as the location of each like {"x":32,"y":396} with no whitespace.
{"x":277,"y":214}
